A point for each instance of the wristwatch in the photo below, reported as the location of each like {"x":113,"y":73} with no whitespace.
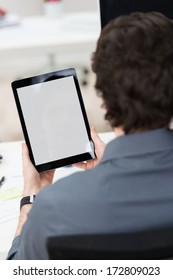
{"x":27,"y":200}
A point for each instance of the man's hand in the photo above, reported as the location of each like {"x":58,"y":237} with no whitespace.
{"x":33,"y":181}
{"x":99,"y":150}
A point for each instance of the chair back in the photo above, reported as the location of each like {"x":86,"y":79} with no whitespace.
{"x":148,"y":244}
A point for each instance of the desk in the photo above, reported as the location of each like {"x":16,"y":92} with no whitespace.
{"x":73,"y":33}
{"x":11,"y":167}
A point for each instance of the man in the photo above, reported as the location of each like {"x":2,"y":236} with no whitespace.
{"x":130,"y":184}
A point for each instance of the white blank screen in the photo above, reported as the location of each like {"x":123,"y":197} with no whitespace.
{"x":54,"y":120}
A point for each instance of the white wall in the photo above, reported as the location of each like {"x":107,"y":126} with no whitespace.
{"x":22,"y":7}
{"x":35,"y":7}
{"x":80,"y":5}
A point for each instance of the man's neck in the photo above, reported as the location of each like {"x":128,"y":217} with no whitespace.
{"x":119,"y":131}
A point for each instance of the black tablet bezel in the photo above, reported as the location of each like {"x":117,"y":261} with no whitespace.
{"x":41,"y":79}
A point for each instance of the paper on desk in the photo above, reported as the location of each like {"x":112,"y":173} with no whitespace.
{"x":11,"y":193}
{"x":9,"y":210}
{"x":11,"y":165}
{"x":11,"y":182}
{"x":9,"y":200}
{"x":9,"y":20}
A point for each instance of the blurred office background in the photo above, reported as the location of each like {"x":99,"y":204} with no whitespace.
{"x":18,"y":64}
{"x":35,"y":7}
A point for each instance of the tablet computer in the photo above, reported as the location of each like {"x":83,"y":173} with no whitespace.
{"x":53,"y":119}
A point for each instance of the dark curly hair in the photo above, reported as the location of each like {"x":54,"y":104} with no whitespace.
{"x":133,"y":63}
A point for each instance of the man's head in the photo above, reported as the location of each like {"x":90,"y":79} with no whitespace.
{"x":133,"y":63}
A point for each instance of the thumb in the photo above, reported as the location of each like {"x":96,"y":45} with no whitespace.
{"x":25,"y":154}
{"x":95,"y":137}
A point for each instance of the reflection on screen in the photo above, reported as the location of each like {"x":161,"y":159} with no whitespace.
{"x":54,"y":120}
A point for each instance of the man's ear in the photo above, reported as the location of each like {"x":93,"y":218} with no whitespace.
{"x":104,"y":105}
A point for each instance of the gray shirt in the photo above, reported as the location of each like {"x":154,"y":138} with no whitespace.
{"x":131,"y":189}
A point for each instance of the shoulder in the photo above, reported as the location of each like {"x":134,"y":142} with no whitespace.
{"x":66,"y":186}
{"x":67,"y":190}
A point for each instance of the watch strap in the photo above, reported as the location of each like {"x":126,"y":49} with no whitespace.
{"x":27,"y":200}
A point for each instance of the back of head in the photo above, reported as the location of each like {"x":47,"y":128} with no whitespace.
{"x":133,"y":63}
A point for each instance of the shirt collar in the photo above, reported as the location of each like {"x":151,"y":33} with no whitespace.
{"x":139,"y":143}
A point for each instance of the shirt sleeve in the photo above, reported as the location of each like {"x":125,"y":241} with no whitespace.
{"x":14,"y":248}
{"x":31,"y":244}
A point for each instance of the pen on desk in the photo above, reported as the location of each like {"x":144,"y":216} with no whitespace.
{"x":2,"y":180}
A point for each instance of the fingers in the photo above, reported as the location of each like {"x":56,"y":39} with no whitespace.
{"x":24,"y":148}
{"x":25,"y":155}
{"x":81,"y":165}
{"x":99,"y":149}
{"x":95,"y":136}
